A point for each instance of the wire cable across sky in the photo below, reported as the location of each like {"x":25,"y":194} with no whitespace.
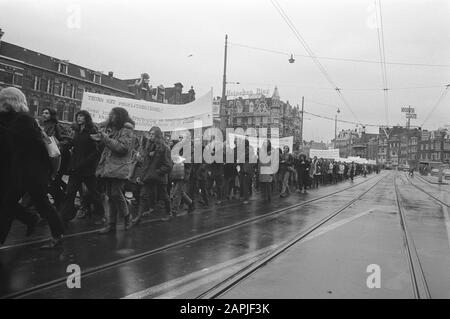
{"x":311,"y":54}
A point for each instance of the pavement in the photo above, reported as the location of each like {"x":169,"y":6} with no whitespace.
{"x":187,"y":256}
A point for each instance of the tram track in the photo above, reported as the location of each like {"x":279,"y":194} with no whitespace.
{"x":427,"y":193}
{"x":233,"y":280}
{"x":420,"y":286}
{"x":122,"y":261}
{"x":43,"y":239}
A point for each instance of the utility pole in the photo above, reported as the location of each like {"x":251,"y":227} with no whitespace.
{"x":409,"y":118}
{"x":335,"y":127}
{"x":301,"y":125}
{"x":223,"y":101}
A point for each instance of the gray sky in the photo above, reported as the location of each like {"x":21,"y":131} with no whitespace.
{"x":136,"y":36}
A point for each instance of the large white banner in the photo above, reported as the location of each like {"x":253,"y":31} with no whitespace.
{"x":326,"y":154}
{"x":169,"y":117}
{"x":256,"y":142}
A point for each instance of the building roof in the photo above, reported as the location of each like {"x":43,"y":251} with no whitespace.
{"x":50,"y":63}
{"x":276,"y":94}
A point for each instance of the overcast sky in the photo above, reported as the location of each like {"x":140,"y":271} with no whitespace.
{"x":157,"y":37}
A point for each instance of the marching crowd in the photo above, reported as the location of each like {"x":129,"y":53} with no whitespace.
{"x":106,"y":162}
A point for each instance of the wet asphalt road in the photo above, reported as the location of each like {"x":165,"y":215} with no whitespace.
{"x":333,"y":259}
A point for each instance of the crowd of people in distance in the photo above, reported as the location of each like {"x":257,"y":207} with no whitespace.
{"x":108,"y":170}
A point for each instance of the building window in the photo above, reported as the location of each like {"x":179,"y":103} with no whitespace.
{"x":97,"y":78}
{"x":62,"y":67}
{"x":60,"y":110}
{"x":36,"y":83}
{"x":34,"y":107}
{"x":49,"y":88}
{"x":6,"y":77}
{"x":73,"y":91}
{"x":18,"y":79}
{"x":62,"y":89}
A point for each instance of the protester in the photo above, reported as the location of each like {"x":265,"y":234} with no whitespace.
{"x":303,"y":167}
{"x":25,"y":167}
{"x":266,"y":171}
{"x":83,"y":163}
{"x":286,"y":167}
{"x":157,"y":166}
{"x":114,"y":165}
{"x":352,"y":170}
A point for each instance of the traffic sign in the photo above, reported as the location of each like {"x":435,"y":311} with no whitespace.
{"x":411,"y":115}
{"x":408,"y":109}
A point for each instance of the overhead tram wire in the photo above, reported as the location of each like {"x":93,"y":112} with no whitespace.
{"x":438,"y":102}
{"x":341,"y":121}
{"x":382,"y":52}
{"x":305,"y":45}
{"x":342,"y":89}
{"x":338,"y":59}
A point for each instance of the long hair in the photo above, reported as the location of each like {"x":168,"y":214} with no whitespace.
{"x":89,"y":124}
{"x":52,"y":111}
{"x":159,"y":138}
{"x":122,"y":117}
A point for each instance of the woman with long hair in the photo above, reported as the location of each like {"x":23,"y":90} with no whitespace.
{"x":157,"y":167}
{"x":115,"y":164}
{"x":83,"y":163}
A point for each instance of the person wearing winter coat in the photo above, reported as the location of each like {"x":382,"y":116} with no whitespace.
{"x":25,"y":167}
{"x":246,"y":170}
{"x":303,"y":167}
{"x":286,"y":167}
{"x":115,"y":164}
{"x":157,"y":165}
{"x":266,"y":171}
{"x":352,"y":170}
{"x":82,"y":166}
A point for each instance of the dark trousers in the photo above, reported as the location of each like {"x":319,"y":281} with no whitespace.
{"x":219,"y":181}
{"x":229,"y":185}
{"x":73,"y":186}
{"x":150,"y":192}
{"x":203,"y":189}
{"x":117,"y":203}
{"x":11,"y":209}
{"x":302,"y":180}
{"x":267,"y":190}
{"x":57,"y":189}
{"x":245,"y":182}
{"x":316,"y":179}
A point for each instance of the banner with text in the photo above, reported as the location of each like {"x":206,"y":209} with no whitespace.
{"x":169,"y":117}
{"x":326,"y":154}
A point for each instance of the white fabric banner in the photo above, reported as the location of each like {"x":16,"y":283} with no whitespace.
{"x":169,"y":117}
{"x":326,"y":154}
{"x":256,"y":142}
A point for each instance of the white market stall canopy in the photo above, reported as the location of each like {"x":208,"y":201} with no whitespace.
{"x":168,"y":117}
